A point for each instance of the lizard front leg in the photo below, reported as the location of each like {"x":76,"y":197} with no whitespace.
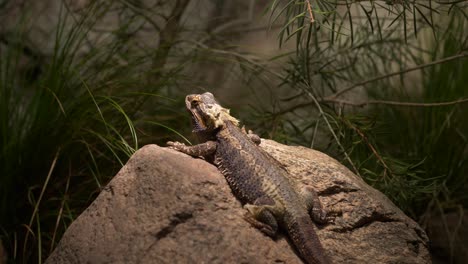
{"x":204,"y":149}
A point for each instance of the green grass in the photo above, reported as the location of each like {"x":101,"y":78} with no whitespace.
{"x":67,"y":125}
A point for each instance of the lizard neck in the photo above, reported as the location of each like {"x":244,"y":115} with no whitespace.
{"x":204,"y":135}
{"x":229,"y":129}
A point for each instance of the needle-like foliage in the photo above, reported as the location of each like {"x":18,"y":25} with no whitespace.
{"x":382,"y":86}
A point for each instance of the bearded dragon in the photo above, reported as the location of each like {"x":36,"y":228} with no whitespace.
{"x":272,"y":199}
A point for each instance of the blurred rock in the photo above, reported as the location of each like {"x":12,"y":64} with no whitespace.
{"x":449,"y":237}
{"x":166,"y":207}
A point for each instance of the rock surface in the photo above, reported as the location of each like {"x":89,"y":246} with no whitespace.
{"x":166,"y":207}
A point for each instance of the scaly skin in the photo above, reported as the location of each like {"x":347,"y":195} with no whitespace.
{"x":272,"y":199}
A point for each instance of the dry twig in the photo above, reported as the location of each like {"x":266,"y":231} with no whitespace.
{"x":422,"y":66}
{"x":309,"y":9}
{"x":396,"y":103}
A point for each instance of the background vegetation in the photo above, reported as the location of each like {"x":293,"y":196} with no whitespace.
{"x":379,"y":85}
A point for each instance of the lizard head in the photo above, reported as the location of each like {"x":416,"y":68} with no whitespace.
{"x":207,"y":114}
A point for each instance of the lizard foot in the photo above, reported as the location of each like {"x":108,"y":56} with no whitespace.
{"x":265,"y":228}
{"x":314,"y":206}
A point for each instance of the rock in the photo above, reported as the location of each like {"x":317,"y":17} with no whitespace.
{"x":370,"y":229}
{"x":166,"y":207}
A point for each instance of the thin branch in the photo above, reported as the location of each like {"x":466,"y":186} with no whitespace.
{"x":372,"y":148}
{"x":294,"y":107}
{"x":168,"y":35}
{"x":309,"y":9}
{"x":396,"y":103}
{"x":422,"y":66}
{"x":322,"y":113}
{"x":361,"y":104}
{"x":250,"y":30}
{"x":140,"y":11}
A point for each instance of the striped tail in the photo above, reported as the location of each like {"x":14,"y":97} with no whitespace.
{"x":303,"y":235}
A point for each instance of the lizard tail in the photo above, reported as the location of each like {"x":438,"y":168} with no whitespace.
{"x":303,"y":235}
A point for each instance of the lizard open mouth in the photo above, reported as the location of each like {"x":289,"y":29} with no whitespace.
{"x":195,"y":107}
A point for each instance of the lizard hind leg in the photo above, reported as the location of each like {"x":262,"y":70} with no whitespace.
{"x":314,"y":206}
{"x":260,"y":215}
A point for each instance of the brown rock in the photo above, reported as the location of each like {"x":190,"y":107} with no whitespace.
{"x":370,"y":229}
{"x":166,"y":207}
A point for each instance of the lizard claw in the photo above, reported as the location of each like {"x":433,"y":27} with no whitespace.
{"x":332,"y":214}
{"x":330,"y":220}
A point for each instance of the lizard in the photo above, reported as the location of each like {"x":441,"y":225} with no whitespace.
{"x":272,"y":199}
